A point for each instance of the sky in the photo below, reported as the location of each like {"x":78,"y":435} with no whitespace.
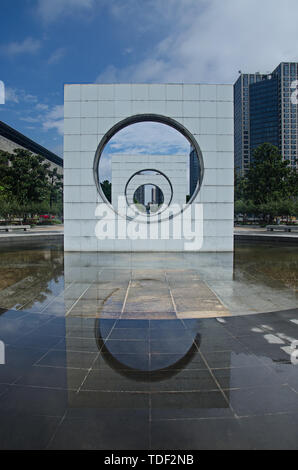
{"x":142,"y":138}
{"x":46,"y":43}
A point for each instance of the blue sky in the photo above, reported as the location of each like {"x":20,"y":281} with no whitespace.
{"x":147,"y":138}
{"x":46,"y":43}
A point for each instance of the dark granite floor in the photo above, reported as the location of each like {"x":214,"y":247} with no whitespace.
{"x":87,"y":383}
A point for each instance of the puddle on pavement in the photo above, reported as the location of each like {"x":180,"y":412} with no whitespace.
{"x":106,"y":351}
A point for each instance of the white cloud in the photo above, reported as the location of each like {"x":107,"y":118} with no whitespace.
{"x":145,"y":138}
{"x":57,"y":55}
{"x":128,"y":50}
{"x":51,"y":10}
{"x":41,"y":107}
{"x":27,"y":46}
{"x":56,"y":112}
{"x":30,"y":119}
{"x":54,"y":119}
{"x":148,"y":138}
{"x":11,"y":95}
{"x":43,"y":115}
{"x":105,"y":168}
{"x":16,"y":96}
{"x":210,"y":40}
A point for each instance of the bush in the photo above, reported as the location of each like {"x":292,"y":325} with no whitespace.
{"x":268,"y":211}
{"x":29,"y":213}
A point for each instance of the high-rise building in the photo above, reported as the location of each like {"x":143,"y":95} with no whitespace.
{"x":194,"y":171}
{"x":287,"y":73}
{"x":264,"y":112}
{"x":140,"y":195}
{"x":242,"y":119}
{"x":156,"y":195}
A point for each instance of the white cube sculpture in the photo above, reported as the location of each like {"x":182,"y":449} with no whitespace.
{"x":205,"y":111}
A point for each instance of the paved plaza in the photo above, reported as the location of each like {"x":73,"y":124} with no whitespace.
{"x":142,"y":351}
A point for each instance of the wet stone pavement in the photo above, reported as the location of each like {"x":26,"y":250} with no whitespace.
{"x":87,"y":383}
{"x":166,"y":352}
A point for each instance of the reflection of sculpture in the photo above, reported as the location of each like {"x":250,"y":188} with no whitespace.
{"x":168,"y":370}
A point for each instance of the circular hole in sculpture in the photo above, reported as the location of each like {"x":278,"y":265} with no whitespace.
{"x":148,"y":198}
{"x":144,"y":143}
{"x":148,"y":192}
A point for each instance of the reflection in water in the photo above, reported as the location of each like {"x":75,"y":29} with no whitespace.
{"x":30,"y":277}
{"x":89,"y":383}
{"x":169,"y":366}
{"x":116,"y":354}
{"x":269,"y":264}
{"x":261,"y":278}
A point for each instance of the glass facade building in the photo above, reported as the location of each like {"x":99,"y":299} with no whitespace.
{"x":156,"y":195}
{"x":265,"y":112}
{"x":242,"y":119}
{"x":194,"y":171}
{"x":139,"y":195}
{"x":288,"y":76}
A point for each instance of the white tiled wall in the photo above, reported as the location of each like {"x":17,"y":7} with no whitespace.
{"x":91,"y":110}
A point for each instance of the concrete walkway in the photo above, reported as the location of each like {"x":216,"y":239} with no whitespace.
{"x":261,"y":234}
{"x":55,"y":233}
{"x":45,"y":233}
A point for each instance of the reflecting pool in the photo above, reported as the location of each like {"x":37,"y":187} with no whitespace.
{"x":149,"y":351}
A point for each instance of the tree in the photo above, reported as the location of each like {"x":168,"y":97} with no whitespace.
{"x":24,"y":176}
{"x":106,"y":186}
{"x":293,"y":184}
{"x":55,"y":186}
{"x":239,"y":186}
{"x":28,"y":186}
{"x":268,"y":178}
{"x":269,"y":188}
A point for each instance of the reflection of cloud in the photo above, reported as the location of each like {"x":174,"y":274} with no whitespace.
{"x":148,"y":138}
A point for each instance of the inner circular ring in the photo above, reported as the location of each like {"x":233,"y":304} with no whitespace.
{"x":146,"y":118}
{"x":151,"y":181}
{"x":150,"y":207}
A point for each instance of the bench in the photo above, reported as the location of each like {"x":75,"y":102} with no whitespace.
{"x":283,"y":228}
{"x":9,"y":228}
